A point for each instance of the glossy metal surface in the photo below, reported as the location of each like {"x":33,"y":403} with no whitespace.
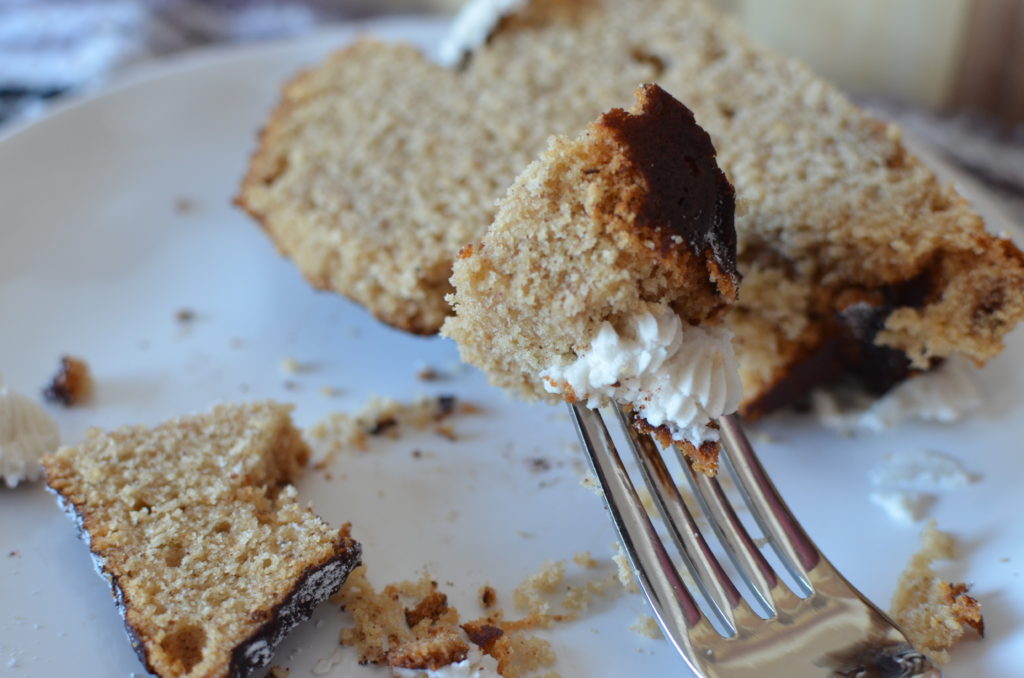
{"x":826,"y":629}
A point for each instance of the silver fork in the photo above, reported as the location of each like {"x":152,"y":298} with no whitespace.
{"x":825,"y":628}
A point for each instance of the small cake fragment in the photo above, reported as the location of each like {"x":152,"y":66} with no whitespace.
{"x":195,"y":525}
{"x":27,"y":432}
{"x":606,"y":273}
{"x":934,"y":613}
{"x":72,"y":384}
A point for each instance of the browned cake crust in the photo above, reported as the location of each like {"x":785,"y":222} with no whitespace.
{"x":193,"y":524}
{"x":378,"y":166}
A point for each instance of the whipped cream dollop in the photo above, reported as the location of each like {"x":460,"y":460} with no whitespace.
{"x":672,"y":374}
{"x":944,"y":394}
{"x":27,"y":432}
{"x":475,"y":665}
{"x":472,"y":26}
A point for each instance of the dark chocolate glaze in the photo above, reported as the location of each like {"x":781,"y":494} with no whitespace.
{"x":848,"y":353}
{"x":296,"y":608}
{"x":688,"y":195}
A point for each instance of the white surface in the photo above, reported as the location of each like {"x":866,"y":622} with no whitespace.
{"x":95,"y":260}
{"x":676,"y":376}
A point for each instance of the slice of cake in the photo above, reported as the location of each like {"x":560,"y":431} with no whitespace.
{"x":195,"y":525}
{"x":378,"y":166}
{"x":606,"y":273}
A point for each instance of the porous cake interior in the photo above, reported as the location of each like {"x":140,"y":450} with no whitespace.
{"x":379,"y":165}
{"x":194,"y":522}
{"x":572,"y":247}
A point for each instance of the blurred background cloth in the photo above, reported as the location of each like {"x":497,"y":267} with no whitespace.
{"x":953,"y":80}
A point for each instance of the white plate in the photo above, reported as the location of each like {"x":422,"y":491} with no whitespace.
{"x":95,"y":260}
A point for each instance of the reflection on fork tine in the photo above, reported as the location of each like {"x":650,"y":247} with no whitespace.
{"x":829,"y":630}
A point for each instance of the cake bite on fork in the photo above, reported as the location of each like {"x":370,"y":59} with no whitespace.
{"x":606,"y":273}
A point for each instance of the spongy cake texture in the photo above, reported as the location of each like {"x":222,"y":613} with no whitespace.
{"x":571,"y":247}
{"x":206,"y":547}
{"x":378,"y":166}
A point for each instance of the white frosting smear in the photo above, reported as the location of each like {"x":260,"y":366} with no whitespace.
{"x":944,"y":394}
{"x":27,"y":432}
{"x":475,"y":665}
{"x":675,"y":375}
{"x":472,"y":26}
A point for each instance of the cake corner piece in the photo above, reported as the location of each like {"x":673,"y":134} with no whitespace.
{"x":195,"y":526}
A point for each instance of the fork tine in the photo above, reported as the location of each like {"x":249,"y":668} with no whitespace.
{"x":704,"y":567}
{"x":746,"y":556}
{"x":675,"y":609}
{"x":787,"y":537}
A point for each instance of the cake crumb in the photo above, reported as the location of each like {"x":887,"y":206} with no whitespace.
{"x":530,"y":595}
{"x":584,"y":559}
{"x":625,"y":570}
{"x":329,"y":392}
{"x":278,"y":672}
{"x":340,"y":431}
{"x":72,"y":384}
{"x":428,"y":373}
{"x":410,"y":626}
{"x":934,"y":613}
{"x":647,"y":626}
{"x":488,"y":597}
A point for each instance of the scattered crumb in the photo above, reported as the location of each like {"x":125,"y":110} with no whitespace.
{"x":72,"y":385}
{"x":329,"y":392}
{"x":409,"y":626}
{"x":13,"y":554}
{"x":584,"y":559}
{"x":530,"y":595}
{"x":340,"y":431}
{"x":278,"y":672}
{"x":647,"y":626}
{"x":429,"y":374}
{"x":933,"y":612}
{"x":290,"y":385}
{"x":488,"y":597}
{"x":184,"y":316}
{"x":625,"y":570}
{"x":538,"y":464}
{"x":1004,"y":559}
{"x":184,"y":205}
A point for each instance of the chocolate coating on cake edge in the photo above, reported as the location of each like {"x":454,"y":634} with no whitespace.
{"x":688,"y":195}
{"x":848,"y":351}
{"x":257,"y":650}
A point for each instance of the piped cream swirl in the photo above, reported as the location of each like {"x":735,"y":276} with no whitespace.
{"x":672,"y":374}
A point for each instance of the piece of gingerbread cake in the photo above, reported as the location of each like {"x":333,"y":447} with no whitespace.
{"x":607,"y":272}
{"x":196,"y":526}
{"x":858,"y":262}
